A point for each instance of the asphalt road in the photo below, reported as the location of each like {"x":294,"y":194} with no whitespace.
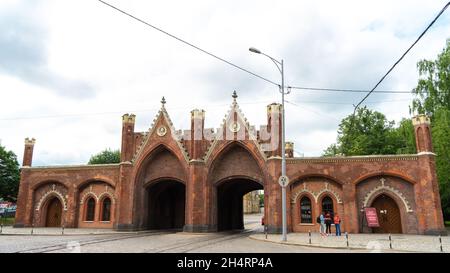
{"x":156,"y":242}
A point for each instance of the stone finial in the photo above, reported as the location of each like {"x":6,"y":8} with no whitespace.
{"x":198,"y":114}
{"x":420,"y":119}
{"x":30,"y":141}
{"x":128,"y":118}
{"x":234,"y":96}
{"x":163,"y":101}
{"x":289,"y":148}
{"x":289,"y":145}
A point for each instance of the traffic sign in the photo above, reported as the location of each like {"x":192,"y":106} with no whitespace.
{"x":283,"y":180}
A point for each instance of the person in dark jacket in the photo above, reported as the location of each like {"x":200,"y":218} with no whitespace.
{"x":328,"y":221}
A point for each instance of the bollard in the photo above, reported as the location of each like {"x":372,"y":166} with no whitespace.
{"x":390,"y":241}
{"x":346,"y":238}
{"x":62,"y":230}
{"x":310,"y":237}
{"x":1,"y":228}
{"x":265,"y":231}
{"x":440,"y":243}
{"x":32,"y":227}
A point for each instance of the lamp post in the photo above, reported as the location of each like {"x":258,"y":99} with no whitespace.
{"x":283,"y":179}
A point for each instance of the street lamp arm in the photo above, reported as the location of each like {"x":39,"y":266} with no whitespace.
{"x":277,"y":63}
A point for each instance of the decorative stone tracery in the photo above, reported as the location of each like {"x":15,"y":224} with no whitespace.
{"x":384,"y":188}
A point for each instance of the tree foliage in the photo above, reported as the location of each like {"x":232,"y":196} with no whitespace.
{"x":371,"y":133}
{"x":105,"y":157}
{"x":9,"y":175}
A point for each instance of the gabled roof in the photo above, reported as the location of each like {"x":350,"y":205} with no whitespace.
{"x":234,"y":108}
{"x":163,"y":117}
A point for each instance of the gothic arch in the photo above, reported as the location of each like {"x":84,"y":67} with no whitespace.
{"x":385,"y":173}
{"x":317,"y":195}
{"x":257,"y":174}
{"x":392,"y":192}
{"x":102,"y":179}
{"x":53,"y":192}
{"x":148,"y":157}
{"x":300,"y":178}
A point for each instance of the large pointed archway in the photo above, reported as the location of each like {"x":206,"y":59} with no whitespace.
{"x":234,"y":173}
{"x":165,"y":205}
{"x":230,"y":193}
{"x":160,"y":191}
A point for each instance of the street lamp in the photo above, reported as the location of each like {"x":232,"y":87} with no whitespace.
{"x":283,"y":179}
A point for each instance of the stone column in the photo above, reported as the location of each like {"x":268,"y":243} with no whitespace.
{"x":350,"y":217}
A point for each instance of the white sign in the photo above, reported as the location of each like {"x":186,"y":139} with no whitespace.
{"x":283,"y":180}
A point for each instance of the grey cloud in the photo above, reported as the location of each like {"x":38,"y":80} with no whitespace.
{"x":23,"y":53}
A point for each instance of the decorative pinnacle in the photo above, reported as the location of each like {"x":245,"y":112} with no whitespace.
{"x":30,"y":141}
{"x":163,"y":101}
{"x":234,"y":96}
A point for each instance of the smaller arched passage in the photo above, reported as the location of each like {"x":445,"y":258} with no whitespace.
{"x":53,"y":209}
{"x":165,"y":205}
{"x":388,"y":213}
{"x":230,"y":193}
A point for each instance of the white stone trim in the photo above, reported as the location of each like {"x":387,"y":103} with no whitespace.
{"x":53,"y":191}
{"x":382,"y":188}
{"x":113,"y":200}
{"x":316,"y":195}
{"x":162,"y":113}
{"x":234,"y":108}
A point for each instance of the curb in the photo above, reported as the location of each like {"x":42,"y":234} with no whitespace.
{"x":76,"y":234}
{"x":330,"y":247}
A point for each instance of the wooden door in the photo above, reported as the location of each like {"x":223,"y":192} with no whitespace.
{"x":54,"y":213}
{"x":388,"y":215}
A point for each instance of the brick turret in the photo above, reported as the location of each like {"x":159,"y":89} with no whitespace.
{"x":423,"y":135}
{"x":197,"y":129}
{"x":127,"y":149}
{"x":28,"y":152}
{"x":274,"y":116}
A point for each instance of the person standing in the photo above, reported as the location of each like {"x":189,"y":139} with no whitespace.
{"x":321,"y":221}
{"x":337,"y":224}
{"x":328,"y":222}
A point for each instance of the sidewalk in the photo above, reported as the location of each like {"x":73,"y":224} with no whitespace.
{"x":374,"y":242}
{"x":9,"y":230}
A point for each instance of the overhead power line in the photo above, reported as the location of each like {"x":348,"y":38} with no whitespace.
{"x":348,"y":90}
{"x":189,"y":44}
{"x":401,"y":58}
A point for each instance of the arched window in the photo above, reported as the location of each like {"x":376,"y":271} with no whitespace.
{"x":90,"y":209}
{"x":106,"y":209}
{"x":327,"y":204}
{"x":305,"y":211}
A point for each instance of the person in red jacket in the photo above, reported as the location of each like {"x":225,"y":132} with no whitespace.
{"x":337,"y":224}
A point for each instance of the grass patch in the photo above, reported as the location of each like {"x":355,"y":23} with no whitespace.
{"x":7,"y":221}
{"x":447,"y":223}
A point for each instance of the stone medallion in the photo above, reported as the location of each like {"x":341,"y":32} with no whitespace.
{"x":162,"y":131}
{"x":235,"y":127}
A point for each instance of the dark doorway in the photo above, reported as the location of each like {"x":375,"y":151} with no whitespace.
{"x":388,"y":215}
{"x":166,"y":205}
{"x":54,"y":213}
{"x":230,"y":211}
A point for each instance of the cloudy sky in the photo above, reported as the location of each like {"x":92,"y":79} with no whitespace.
{"x":70,"y":69}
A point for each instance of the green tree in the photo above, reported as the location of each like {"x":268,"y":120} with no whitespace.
{"x":405,"y":138}
{"x":9,"y":175}
{"x":433,"y":98}
{"x":105,"y":157}
{"x":369,"y":134}
{"x":433,"y":88}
